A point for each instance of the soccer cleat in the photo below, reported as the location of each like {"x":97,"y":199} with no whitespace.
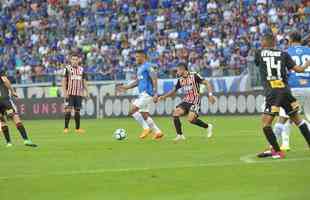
{"x":285,"y":148}
{"x":179,"y":138}
{"x":210,"y":130}
{"x":145,"y":133}
{"x":278,"y":155}
{"x":9,"y":145}
{"x":29,"y":143}
{"x":66,"y":130}
{"x":158,"y":136}
{"x":265,"y":154}
{"x":79,"y":131}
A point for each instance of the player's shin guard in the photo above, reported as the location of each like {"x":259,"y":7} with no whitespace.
{"x":67,"y":119}
{"x":271,"y":138}
{"x":278,"y":129}
{"x":200,"y":123}
{"x":152,"y":125}
{"x":178,"y":125}
{"x":6,"y":133}
{"x":303,"y":127}
{"x":20,"y":127}
{"x":139,"y":118}
{"x":77,"y":118}
{"x":286,"y":134}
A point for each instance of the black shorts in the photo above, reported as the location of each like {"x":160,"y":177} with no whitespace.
{"x":7,"y":107}
{"x":189,"y":107}
{"x":73,"y":102}
{"x":281,"y":98}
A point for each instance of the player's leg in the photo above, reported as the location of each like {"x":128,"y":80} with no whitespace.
{"x":77,"y":114}
{"x":5,"y":131}
{"x":193,"y":118}
{"x":302,"y":125}
{"x":292,"y":107}
{"x":68,"y":109}
{"x":21,"y":128}
{"x":180,"y":110}
{"x":135,"y":113}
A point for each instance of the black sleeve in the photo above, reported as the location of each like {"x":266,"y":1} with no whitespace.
{"x":2,"y":73}
{"x":198,"y":78}
{"x":257,"y":57}
{"x":289,"y":62}
{"x":177,"y":86}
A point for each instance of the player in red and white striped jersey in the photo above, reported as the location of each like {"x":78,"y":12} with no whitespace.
{"x":190,"y":83}
{"x":74,"y":86}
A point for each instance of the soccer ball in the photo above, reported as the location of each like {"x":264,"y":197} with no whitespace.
{"x":120,"y":134}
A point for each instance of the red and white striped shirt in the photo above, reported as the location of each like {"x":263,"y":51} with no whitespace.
{"x":191,"y":87}
{"x":75,"y":77}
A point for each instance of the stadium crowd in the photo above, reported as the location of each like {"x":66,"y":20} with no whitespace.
{"x":216,"y":37}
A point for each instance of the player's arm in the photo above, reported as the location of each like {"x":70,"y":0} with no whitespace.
{"x":298,"y":68}
{"x":172,"y":93}
{"x":8,"y":85}
{"x":64,"y":83}
{"x":123,"y":88}
{"x":205,"y":82}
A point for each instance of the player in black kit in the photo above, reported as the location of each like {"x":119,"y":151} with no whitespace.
{"x":8,"y":109}
{"x":273,"y":66}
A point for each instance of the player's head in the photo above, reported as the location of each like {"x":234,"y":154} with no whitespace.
{"x":268,"y":41}
{"x":295,"y":38}
{"x":182,"y":69}
{"x":140,"y":56}
{"x":74,"y":59}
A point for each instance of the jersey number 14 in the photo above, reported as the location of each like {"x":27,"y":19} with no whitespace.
{"x":273,"y":68}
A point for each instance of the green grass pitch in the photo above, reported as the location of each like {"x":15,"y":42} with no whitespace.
{"x":94,"y":166}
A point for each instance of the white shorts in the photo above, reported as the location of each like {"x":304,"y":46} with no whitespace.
{"x":144,"y":102}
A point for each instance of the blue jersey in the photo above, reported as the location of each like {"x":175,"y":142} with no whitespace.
{"x":299,"y":54}
{"x":144,"y":75}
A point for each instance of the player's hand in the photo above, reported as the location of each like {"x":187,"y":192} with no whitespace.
{"x":14,"y":94}
{"x":121,"y":88}
{"x":211,"y":99}
{"x":155,"y":98}
{"x":66,"y":95}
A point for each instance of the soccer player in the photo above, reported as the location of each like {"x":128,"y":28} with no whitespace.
{"x":190,"y":83}
{"x":273,"y":65}
{"x":8,"y":108}
{"x":74,"y":87}
{"x":299,"y":54}
{"x":147,"y":85}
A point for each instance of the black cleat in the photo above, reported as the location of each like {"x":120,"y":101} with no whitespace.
{"x":265,"y":154}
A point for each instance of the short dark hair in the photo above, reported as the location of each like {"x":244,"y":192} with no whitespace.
{"x":184,"y":65}
{"x":295,"y":37}
{"x":74,"y":54}
{"x":268,"y":37}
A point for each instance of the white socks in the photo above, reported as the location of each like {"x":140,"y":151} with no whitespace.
{"x":152,"y":125}
{"x":286,"y":134}
{"x":139,"y":118}
{"x":278,"y":129}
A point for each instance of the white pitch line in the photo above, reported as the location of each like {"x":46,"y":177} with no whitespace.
{"x":247,"y":159}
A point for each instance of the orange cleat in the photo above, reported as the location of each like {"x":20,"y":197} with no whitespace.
{"x":158,"y":136}
{"x":145,"y":133}
{"x":79,"y":131}
{"x":66,"y":130}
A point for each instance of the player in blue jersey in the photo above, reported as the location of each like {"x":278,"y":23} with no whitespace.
{"x":147,"y":85}
{"x":298,"y":82}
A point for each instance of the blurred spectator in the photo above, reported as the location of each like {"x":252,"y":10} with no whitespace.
{"x":215,"y":37}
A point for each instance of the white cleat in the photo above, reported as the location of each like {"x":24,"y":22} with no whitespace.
{"x":9,"y":145}
{"x":179,"y":138}
{"x":210,"y":130}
